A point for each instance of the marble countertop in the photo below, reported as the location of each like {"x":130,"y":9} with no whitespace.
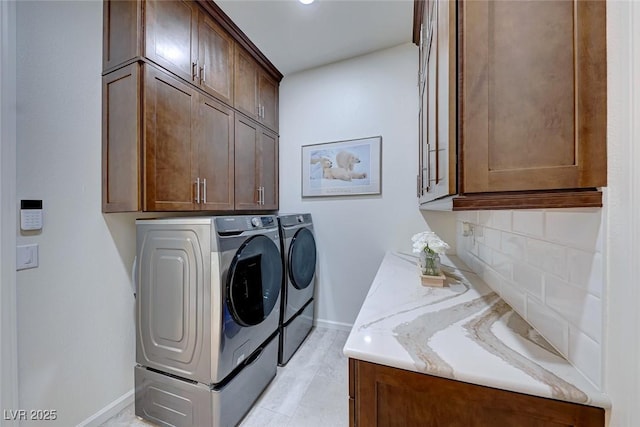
{"x":463,"y":331}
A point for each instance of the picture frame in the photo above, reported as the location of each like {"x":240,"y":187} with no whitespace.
{"x":342,"y":168}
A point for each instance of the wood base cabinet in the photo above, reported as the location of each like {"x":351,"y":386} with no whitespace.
{"x":171,"y":152}
{"x":384,"y":396}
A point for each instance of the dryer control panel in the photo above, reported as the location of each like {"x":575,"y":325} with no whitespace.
{"x":230,"y":224}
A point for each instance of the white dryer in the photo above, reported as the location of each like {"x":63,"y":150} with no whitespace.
{"x":298,"y":286}
{"x":208,"y":310}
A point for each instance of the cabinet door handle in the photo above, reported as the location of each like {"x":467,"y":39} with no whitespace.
{"x":203,"y":73}
{"x":428,"y":186}
{"x":197,"y":190}
{"x":261,"y":196}
{"x":204,"y":190}
{"x":194,"y":70}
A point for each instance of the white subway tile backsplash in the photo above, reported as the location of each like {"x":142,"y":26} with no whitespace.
{"x":529,"y":222}
{"x":484,"y":218}
{"x":501,"y":220}
{"x":492,"y":238}
{"x":493,"y":279}
{"x":549,"y":324}
{"x":577,"y":229}
{"x":514,"y":297}
{"x":468,"y":216}
{"x":586,"y":355}
{"x":502,"y":264}
{"x":528,"y":278}
{"x":547,"y":256}
{"x":585,"y":270}
{"x":485,"y":253}
{"x":513,"y":245}
{"x":548,"y":266}
{"x":580,"y":308}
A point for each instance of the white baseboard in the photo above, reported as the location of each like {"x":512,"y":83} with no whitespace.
{"x":109,"y":411}
{"x":330,"y":324}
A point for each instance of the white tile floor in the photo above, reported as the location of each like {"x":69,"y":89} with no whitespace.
{"x":311,"y":390}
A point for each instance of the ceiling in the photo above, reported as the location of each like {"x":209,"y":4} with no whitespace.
{"x":298,"y":37}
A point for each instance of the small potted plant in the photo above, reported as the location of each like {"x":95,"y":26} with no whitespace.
{"x":429,"y":246}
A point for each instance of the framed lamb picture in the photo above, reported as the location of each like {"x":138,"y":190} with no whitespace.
{"x":342,"y":168}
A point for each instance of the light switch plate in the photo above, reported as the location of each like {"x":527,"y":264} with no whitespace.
{"x":26,"y":256}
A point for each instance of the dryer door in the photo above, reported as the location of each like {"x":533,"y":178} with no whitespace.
{"x":302,"y":258}
{"x":254,"y":280}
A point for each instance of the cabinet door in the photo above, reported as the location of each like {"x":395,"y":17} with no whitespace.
{"x":170,"y":109}
{"x":121,"y":140}
{"x":215,"y":60}
{"x":387,"y":396}
{"x":438,"y":103}
{"x":172,"y":36}
{"x":534,"y":95}
{"x":121,"y":41}
{"x":269,"y":170}
{"x":268,"y":101}
{"x":247,"y":168}
{"x":214,"y":154}
{"x":246,"y":84}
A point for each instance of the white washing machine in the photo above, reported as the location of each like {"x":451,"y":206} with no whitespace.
{"x":208,"y":310}
{"x":298,"y":286}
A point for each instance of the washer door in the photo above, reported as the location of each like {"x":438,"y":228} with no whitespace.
{"x":302,"y":258}
{"x":254,"y":280}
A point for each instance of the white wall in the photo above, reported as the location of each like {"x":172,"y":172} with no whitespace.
{"x":8,"y":337}
{"x":622,"y":325}
{"x":75,"y":311}
{"x":366,"y":96}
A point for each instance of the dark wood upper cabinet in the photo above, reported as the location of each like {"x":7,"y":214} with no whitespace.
{"x":122,"y":40}
{"x":530,"y":126}
{"x":256,"y":166}
{"x":171,"y":36}
{"x":170,"y":150}
{"x":121,"y":137}
{"x":171,"y":141}
{"x":534,"y":95}
{"x":215,"y":63}
{"x":256,"y":93}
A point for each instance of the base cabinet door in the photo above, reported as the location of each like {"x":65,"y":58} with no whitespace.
{"x":384,"y":396}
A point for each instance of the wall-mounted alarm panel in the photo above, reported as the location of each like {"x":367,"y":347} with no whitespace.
{"x":30,"y":215}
